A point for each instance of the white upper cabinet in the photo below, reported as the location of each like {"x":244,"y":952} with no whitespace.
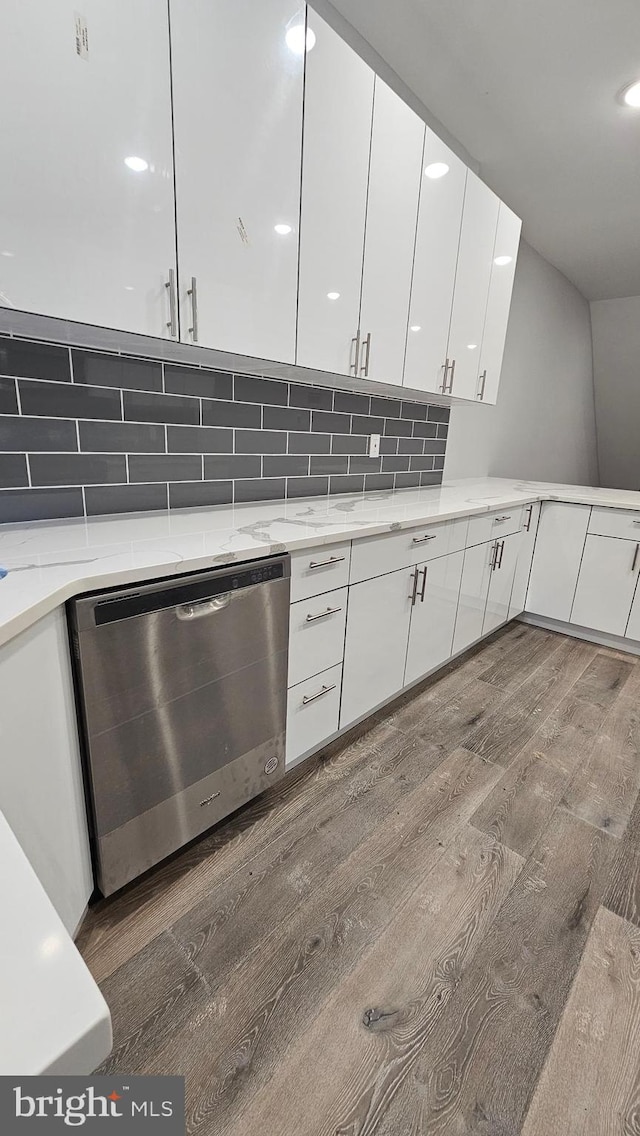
{"x":86,"y":197}
{"x":473,"y":274}
{"x":397,"y":143}
{"x":237,"y":90}
{"x":434,"y":268}
{"x":338,"y":104}
{"x":503,"y":270}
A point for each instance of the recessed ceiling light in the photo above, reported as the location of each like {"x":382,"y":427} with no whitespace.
{"x":333,"y":295}
{"x":502,"y":260}
{"x":415,"y":327}
{"x":138,"y":165}
{"x":295,"y":39}
{"x":282,"y":230}
{"x":472,"y":346}
{"x":436,"y":170}
{"x":630,"y":95}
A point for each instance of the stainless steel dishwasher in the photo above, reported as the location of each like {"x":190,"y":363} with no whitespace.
{"x":182,"y":689}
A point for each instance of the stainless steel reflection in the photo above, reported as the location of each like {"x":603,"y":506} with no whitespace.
{"x":183,"y":686}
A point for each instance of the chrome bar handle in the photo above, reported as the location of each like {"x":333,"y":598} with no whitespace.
{"x":445,"y":365}
{"x":414,"y":591}
{"x":355,"y":341}
{"x":173,"y":307}
{"x":527,"y":526}
{"x":364,"y":369}
{"x":501,"y":553}
{"x":325,"y":563}
{"x":323,"y":614}
{"x":495,"y":555}
{"x":424,"y":584}
{"x":321,"y":693}
{"x":503,"y":517}
{"x":635,"y":558}
{"x":483,"y":380}
{"x":421,"y":539}
{"x":453,"y":371}
{"x":193,"y":292}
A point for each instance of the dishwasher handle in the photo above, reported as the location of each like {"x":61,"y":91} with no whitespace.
{"x":188,"y":612}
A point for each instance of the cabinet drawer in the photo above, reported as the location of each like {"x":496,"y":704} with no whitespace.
{"x":318,"y":570}
{"x":316,"y":634}
{"x":489,"y":525}
{"x":376,"y":555}
{"x":313,"y":707}
{"x":623,"y":523}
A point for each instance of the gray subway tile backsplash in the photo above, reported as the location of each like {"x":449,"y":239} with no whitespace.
{"x":86,"y":432}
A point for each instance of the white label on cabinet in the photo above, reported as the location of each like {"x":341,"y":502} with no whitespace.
{"x":82,"y":35}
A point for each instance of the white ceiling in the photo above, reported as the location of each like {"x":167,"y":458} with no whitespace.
{"x":528,"y":87}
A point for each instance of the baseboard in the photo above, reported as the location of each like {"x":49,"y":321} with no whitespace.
{"x":616,"y":642}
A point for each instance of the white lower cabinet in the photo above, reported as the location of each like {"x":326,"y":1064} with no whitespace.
{"x":313,"y":707}
{"x":474,"y":589}
{"x":606,"y":584}
{"x":503,"y":570}
{"x":562,"y":530}
{"x":316,"y":634}
{"x":433,"y":615}
{"x":376,"y":642}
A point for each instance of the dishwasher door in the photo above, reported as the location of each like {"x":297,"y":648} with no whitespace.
{"x":183,"y":688}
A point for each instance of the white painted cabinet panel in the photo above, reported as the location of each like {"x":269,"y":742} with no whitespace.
{"x":503,"y":270}
{"x":633,"y":626}
{"x":474,"y":589}
{"x":503,"y":571}
{"x":525,"y":558}
{"x":83,"y":235}
{"x":433,"y":616}
{"x":376,"y":642}
{"x":313,"y":707}
{"x":338,"y":105}
{"x":559,"y":545}
{"x":237,"y":89}
{"x":434,"y":267}
{"x":606,"y":584}
{"x":316,"y":634}
{"x":475,"y":257}
{"x":397,"y":143}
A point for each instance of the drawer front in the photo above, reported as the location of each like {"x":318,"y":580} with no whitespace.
{"x":490,"y":525}
{"x":318,"y":570}
{"x":376,"y":555}
{"x":623,"y":523}
{"x":316,"y":634}
{"x":313,"y":708}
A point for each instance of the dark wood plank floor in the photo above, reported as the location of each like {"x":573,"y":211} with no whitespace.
{"x":432,"y":928}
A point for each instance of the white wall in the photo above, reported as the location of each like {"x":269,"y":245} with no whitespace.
{"x":616,"y":366}
{"x":543,"y":427}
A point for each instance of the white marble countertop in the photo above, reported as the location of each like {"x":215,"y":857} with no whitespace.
{"x":54,"y":1018}
{"x":49,"y":562}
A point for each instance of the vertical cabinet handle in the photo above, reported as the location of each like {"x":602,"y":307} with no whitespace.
{"x":635,"y":557}
{"x":527,"y":526}
{"x":445,"y":365}
{"x":501,"y":554}
{"x":366,"y":349}
{"x":452,"y":371}
{"x":414,"y":590}
{"x":193,"y":292}
{"x":355,"y":342}
{"x":173,"y":307}
{"x":424,"y":584}
{"x":494,"y":555}
{"x":483,"y":380}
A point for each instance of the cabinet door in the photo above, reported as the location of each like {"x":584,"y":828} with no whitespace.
{"x":338,"y":105}
{"x":556,"y":562}
{"x":237,"y":103}
{"x":434,"y":266}
{"x":606,"y":584}
{"x":633,"y":626}
{"x":397,"y":142}
{"x":525,"y":557}
{"x":503,"y":270}
{"x":474,"y":589}
{"x":376,"y":642}
{"x":84,"y":235}
{"x":503,"y":571}
{"x":475,"y":257}
{"x":433,"y":616}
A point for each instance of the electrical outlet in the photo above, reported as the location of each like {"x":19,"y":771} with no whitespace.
{"x":374,"y":445}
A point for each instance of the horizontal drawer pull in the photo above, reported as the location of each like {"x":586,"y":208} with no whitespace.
{"x":312,"y":697}
{"x":421,"y":539}
{"x":504,"y":517}
{"x":323,"y":614}
{"x":325,"y":563}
